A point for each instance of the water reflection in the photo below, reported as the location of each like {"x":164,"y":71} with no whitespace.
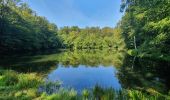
{"x":85,"y":68}
{"x":86,"y":77}
{"x":145,"y":74}
{"x":44,"y":63}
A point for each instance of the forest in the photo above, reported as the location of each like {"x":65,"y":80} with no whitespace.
{"x":145,"y":27}
{"x":142,"y":33}
{"x":23,"y":30}
{"x":91,"y":38}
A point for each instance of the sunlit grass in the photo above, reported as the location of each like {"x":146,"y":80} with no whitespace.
{"x":14,"y":86}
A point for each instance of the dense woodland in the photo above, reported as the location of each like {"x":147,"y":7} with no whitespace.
{"x":142,"y":30}
{"x":92,"y":38}
{"x":23,"y":30}
{"x":146,"y":26}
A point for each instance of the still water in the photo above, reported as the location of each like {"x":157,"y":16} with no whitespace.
{"x":86,"y":77}
{"x":85,"y":69}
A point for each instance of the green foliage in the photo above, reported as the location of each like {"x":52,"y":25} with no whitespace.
{"x":149,"y":22}
{"x":136,"y":95}
{"x":85,"y":94}
{"x":19,"y":86}
{"x":28,"y":81}
{"x":10,"y":78}
{"x":92,"y":38}
{"x":62,"y":94}
{"x":22,"y":30}
{"x":50,"y":87}
{"x":132,"y":52}
{"x":103,"y":94}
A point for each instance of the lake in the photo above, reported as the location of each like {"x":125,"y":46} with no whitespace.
{"x":86,"y":77}
{"x":85,"y":69}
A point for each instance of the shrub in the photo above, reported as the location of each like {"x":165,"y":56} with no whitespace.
{"x":9,"y":78}
{"x":29,"y":81}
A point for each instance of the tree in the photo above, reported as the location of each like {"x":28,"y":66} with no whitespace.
{"x":145,"y":26}
{"x":23,"y":30}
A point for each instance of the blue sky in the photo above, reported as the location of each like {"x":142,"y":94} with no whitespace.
{"x":80,"y":13}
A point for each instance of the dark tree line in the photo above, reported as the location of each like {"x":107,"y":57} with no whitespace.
{"x":23,"y":30}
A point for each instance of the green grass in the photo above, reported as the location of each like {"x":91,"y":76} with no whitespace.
{"x":15,"y":86}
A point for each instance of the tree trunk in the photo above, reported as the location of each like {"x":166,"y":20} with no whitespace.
{"x":134,"y":40}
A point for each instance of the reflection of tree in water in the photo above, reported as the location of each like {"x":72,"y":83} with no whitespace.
{"x":30,"y":62}
{"x":92,"y":58}
{"x":45,"y":62}
{"x":145,"y":74}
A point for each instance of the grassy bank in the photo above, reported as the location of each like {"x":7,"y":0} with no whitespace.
{"x":15,"y":86}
